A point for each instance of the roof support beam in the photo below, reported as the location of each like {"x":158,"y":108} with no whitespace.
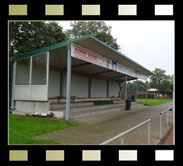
{"x":102,"y":72}
{"x":75,"y":66}
{"x":83,"y":64}
{"x":123,"y":76}
{"x":117,"y":77}
{"x":146,"y":92}
{"x":59,"y":69}
{"x":126,"y":92}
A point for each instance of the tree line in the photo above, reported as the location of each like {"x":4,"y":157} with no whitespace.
{"x":158,"y":80}
{"x":28,"y":36}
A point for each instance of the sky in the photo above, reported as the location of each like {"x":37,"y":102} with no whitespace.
{"x":149,"y":43}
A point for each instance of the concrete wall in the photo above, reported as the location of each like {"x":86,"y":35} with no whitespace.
{"x":113,"y":89}
{"x":54,"y":84}
{"x":64,"y":83}
{"x":98,"y":88}
{"x":32,"y":106}
{"x":79,"y":86}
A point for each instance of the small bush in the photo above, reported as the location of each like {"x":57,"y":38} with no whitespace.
{"x":143,"y":96}
{"x":102,"y":102}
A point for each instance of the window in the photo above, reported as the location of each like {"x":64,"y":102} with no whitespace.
{"x":22,"y":72}
{"x":39,"y":67}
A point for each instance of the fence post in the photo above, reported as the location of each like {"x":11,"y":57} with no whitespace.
{"x":149,"y":133}
{"x":160,"y":125}
{"x":170,"y":118}
{"x":167,"y":120}
{"x":122,"y":140}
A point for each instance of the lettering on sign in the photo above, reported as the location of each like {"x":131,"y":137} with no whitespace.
{"x":88,"y":56}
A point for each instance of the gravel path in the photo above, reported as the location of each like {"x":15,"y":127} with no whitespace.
{"x":99,"y":128}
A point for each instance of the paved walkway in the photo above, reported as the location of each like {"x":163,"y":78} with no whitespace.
{"x":99,"y":128}
{"x":169,"y":138}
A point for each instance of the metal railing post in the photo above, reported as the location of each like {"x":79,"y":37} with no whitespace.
{"x":122,"y":140}
{"x":160,"y":125}
{"x":149,"y":132}
{"x":168,"y":120}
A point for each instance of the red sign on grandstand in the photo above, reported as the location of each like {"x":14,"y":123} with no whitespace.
{"x":87,"y":56}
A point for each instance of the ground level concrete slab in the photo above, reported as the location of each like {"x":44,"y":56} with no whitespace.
{"x":99,"y":128}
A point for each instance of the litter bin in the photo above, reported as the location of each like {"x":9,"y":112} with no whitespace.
{"x":127,"y":104}
{"x":133,"y":98}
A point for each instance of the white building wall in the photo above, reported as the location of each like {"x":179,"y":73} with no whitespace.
{"x":79,"y":85}
{"x":64,"y":83}
{"x":98,"y":88}
{"x":113,"y":89}
{"x":54,"y":84}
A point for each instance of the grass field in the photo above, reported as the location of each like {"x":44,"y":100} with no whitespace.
{"x":23,"y":128}
{"x":153,"y":102}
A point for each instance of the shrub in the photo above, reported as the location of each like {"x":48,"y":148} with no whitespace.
{"x":143,"y":96}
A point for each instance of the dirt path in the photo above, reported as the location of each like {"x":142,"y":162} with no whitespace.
{"x":99,"y":128}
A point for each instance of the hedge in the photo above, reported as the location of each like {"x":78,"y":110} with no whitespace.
{"x":143,"y":96}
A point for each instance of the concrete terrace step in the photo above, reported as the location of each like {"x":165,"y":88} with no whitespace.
{"x":90,"y":107}
{"x":58,"y":114}
{"x":76,"y":115}
{"x":85,"y":99}
{"x":96,"y":107}
{"x":79,"y":112}
{"x":118,"y":101}
{"x":63,"y":105}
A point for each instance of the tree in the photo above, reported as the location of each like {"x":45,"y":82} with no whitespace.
{"x":135,"y":86}
{"x":161,"y":81}
{"x":167,"y":85}
{"x":140,"y":86}
{"x":96,"y":28}
{"x":157,"y":78}
{"x":27,"y":36}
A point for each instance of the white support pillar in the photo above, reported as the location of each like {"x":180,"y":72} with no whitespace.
{"x":120,"y":89}
{"x":48,"y":72}
{"x":137,"y":90}
{"x":146,"y":92}
{"x":89,"y":86}
{"x":173,"y":96}
{"x":61,"y":83}
{"x":30,"y":77}
{"x":12,"y":85}
{"x":126,"y":92}
{"x":107,"y":88}
{"x":68,"y":90}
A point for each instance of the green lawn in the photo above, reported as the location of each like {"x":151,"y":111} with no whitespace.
{"x":23,"y":128}
{"x":153,"y":102}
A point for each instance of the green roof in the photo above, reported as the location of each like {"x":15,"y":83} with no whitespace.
{"x":51,"y":47}
{"x":67,"y":44}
